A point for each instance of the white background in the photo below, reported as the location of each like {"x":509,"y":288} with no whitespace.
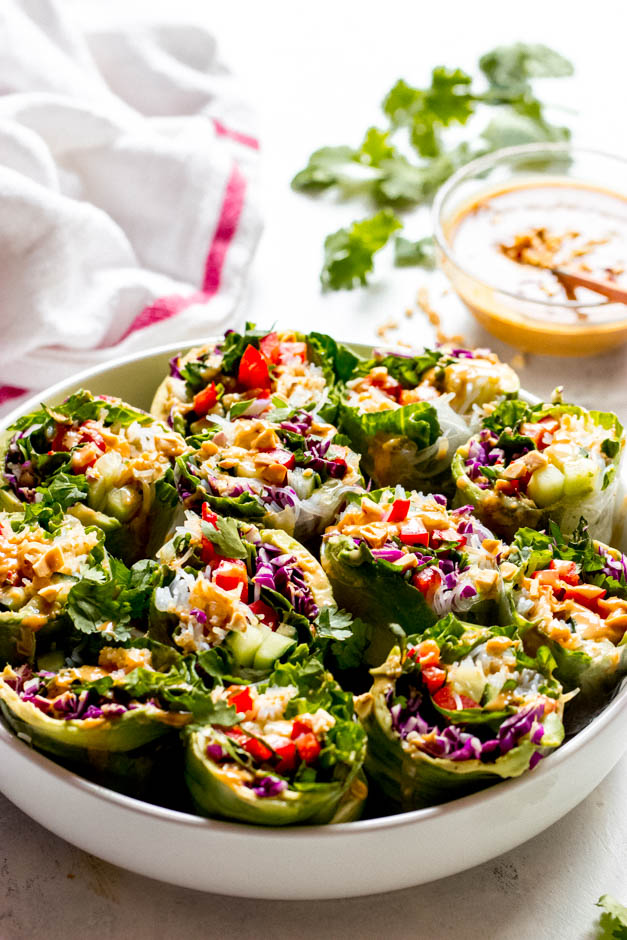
{"x":315,"y":73}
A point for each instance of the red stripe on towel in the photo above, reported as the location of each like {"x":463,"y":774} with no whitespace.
{"x":163,"y":308}
{"x":246,"y":139}
{"x":7,"y":392}
{"x":227,"y":226}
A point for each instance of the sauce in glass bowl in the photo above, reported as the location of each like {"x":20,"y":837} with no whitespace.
{"x":506,"y":219}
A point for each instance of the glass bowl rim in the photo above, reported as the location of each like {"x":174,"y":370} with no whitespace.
{"x":489,"y":161}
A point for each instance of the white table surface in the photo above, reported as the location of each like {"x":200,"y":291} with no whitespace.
{"x":315,"y":73}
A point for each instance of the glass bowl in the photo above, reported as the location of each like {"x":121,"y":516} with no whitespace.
{"x":585,"y":326}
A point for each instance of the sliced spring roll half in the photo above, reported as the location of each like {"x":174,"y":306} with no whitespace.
{"x":401,"y":559}
{"x":286,"y":751}
{"x":407,"y":415}
{"x":245,"y":371}
{"x":290,"y":474}
{"x":253,"y":594}
{"x":87,"y":714}
{"x":38,"y":572}
{"x":534,"y":463}
{"x":460,"y":708}
{"x":572,"y":597}
{"x":106,"y":462}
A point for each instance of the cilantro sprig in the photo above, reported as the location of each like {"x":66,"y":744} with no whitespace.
{"x":395,"y":178}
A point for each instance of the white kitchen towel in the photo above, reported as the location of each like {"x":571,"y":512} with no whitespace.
{"x":127,"y":208}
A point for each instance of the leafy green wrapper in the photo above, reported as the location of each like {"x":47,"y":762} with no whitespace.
{"x":592,"y":664}
{"x":286,"y":601}
{"x":87,"y":715}
{"x":413,"y":443}
{"x":225,"y":780}
{"x":583,"y":492}
{"x":44,"y":474}
{"x":421,"y":753}
{"x":321,"y":471}
{"x":74,"y":585}
{"x":382,"y":592}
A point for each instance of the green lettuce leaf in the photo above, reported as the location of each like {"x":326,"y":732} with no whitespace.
{"x":336,"y":360}
{"x":408,"y":371}
{"x":418,"y":422}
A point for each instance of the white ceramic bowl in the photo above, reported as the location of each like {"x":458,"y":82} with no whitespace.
{"x":306,"y":862}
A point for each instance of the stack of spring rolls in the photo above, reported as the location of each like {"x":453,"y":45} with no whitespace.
{"x":309,"y":585}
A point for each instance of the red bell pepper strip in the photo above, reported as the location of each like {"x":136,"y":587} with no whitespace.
{"x":269,"y":347}
{"x":208,"y":515}
{"x":433,"y":677}
{"x":289,"y":757}
{"x":206,"y":399}
{"x":398,"y":511}
{"x":285,"y":458}
{"x":308,"y":747}
{"x":588,"y":595}
{"x":241,"y":700}
{"x":567,"y":570}
{"x":253,"y":370}
{"x":257,"y":749}
{"x":231,"y":573}
{"x":414,"y":533}
{"x":265,"y":613}
{"x":57,"y":443}
{"x":299,"y":727}
{"x":427,"y":581}
{"x":208,"y":553}
{"x":447,"y":699}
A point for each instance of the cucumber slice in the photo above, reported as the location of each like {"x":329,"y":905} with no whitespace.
{"x":244,"y":645}
{"x":273,"y":647}
{"x":579,"y":476}
{"x":546,"y":485}
{"x":123,"y":502}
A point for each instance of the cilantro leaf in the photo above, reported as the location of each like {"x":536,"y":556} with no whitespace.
{"x":333,"y":623}
{"x":388,"y":177}
{"x":509,"y":68}
{"x":425,"y":111}
{"x":65,"y":490}
{"x":402,"y":102}
{"x":349,"y":251}
{"x":331,"y":166}
{"x":341,"y":637}
{"x":376,"y":147}
{"x":403,"y":181}
{"x":511,"y":128}
{"x":408,"y":253}
{"x":449,"y":97}
{"x":111,"y":593}
{"x":225,"y":538}
{"x":613,"y":922}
